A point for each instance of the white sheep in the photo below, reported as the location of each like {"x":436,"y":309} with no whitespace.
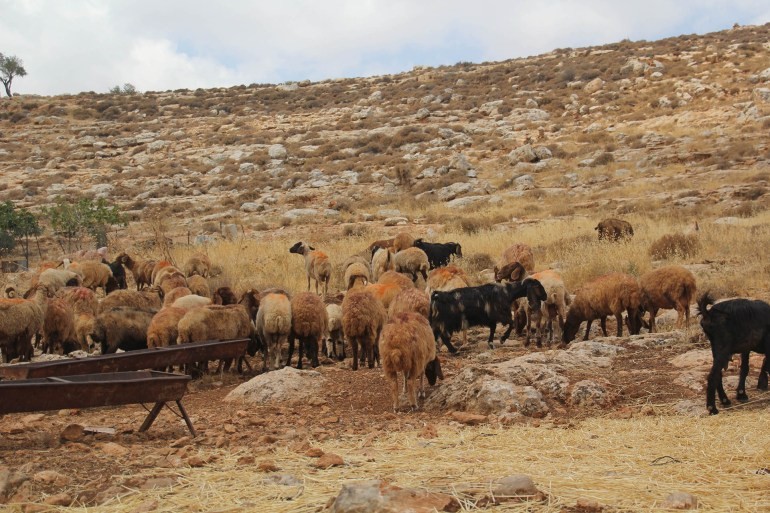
{"x":412,"y":261}
{"x":356,"y":272}
{"x":382,"y":261}
{"x":273,"y":326}
{"x":317,"y":265}
{"x":334,"y":332}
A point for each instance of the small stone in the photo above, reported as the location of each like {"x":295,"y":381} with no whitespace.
{"x":314,"y":452}
{"x":246,"y":460}
{"x":51,"y":477}
{"x":196,"y":461}
{"x":517,"y":485}
{"x":267,"y":466}
{"x":329,"y":460}
{"x":158,"y":482}
{"x":680,"y":500}
{"x":113,"y":449}
{"x":181,"y":442}
{"x":230,"y":429}
{"x":60,"y":499}
{"x":471,"y":419}
{"x":34,"y":417}
{"x":72,"y":433}
{"x":146,"y":507}
{"x":588,"y":506}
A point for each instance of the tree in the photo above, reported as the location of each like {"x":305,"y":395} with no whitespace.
{"x":127,"y":89}
{"x":72,"y":221}
{"x":10,"y":67}
{"x":17,"y":225}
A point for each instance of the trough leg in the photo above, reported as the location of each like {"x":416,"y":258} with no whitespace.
{"x":186,"y":418}
{"x":151,"y":417}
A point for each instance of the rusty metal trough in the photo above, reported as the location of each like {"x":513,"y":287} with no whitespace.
{"x":91,"y":390}
{"x":155,"y":358}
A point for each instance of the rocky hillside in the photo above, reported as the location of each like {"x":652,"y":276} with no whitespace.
{"x":673,"y":126}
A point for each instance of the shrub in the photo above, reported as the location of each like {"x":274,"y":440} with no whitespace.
{"x":675,"y":245}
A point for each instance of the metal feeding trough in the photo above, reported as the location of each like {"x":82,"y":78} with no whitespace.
{"x":92,"y":390}
{"x":156,"y":358}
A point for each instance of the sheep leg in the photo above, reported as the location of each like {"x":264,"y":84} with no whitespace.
{"x":653,"y":313}
{"x":421,"y":393}
{"x":301,"y":344}
{"x":312,"y":353}
{"x":370,"y":355}
{"x":714,"y":385}
{"x":291,"y":352}
{"x":411,"y":392}
{"x":308,"y":284}
{"x":603,"y":324}
{"x":588,"y":329}
{"x":393,"y":378}
{"x":619,"y":322}
{"x":446,"y":339}
{"x":492,"y":335}
{"x":740,"y":393}
{"x":762,"y":381}
{"x":354,"y":347}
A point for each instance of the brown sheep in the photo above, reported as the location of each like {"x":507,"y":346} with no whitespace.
{"x":612,"y":229}
{"x":198,"y":285}
{"x":171,"y":280}
{"x":140,"y":269}
{"x":362,"y":319}
{"x":147,"y":299}
{"x":94,"y":274}
{"x":397,"y":279}
{"x":273,"y":326}
{"x":380,"y":244}
{"x":174,"y":294}
{"x":671,"y":286}
{"x":385,"y":293}
{"x":309,"y":324}
{"x":250,"y":300}
{"x":191,"y":301}
{"x":606,"y":295}
{"x":122,"y":328}
{"x":554,"y":307}
{"x":412,"y":261}
{"x":160,"y":265}
{"x":164,"y":272}
{"x":317,"y":265}
{"x":85,"y":307}
{"x":334,"y":335}
{"x":356,"y":272}
{"x":20,"y":319}
{"x":198,"y":264}
{"x":224,"y":296}
{"x":382,"y":261}
{"x":513,"y":271}
{"x":410,"y":300}
{"x":163,"y":330}
{"x":407,"y":346}
{"x":401,"y":241}
{"x":59,"y":328}
{"x":446,"y":278}
{"x":519,"y":253}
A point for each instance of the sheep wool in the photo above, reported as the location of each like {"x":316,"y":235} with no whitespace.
{"x":273,"y":326}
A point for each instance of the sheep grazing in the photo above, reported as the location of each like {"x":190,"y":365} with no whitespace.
{"x":163,"y":330}
{"x":671,"y":286}
{"x":554,"y":307}
{"x":158,"y":267}
{"x":519,"y":253}
{"x":446,"y":278}
{"x":198,"y":264}
{"x":59,"y":328}
{"x":439,"y":254}
{"x":148,"y":299}
{"x":191,"y":301}
{"x":356,"y":272}
{"x":273,"y":326}
{"x":397,"y":279}
{"x":407,"y":347}
{"x":317,"y":265}
{"x":122,"y":328}
{"x":484,"y":305}
{"x":410,"y":300}
{"x":118,"y":274}
{"x":733,"y":326}
{"x":380,"y":244}
{"x":140,"y":269}
{"x":309,"y":324}
{"x":170,"y":280}
{"x":412,"y":261}
{"x":199,"y":285}
{"x":334,"y":333}
{"x":56,"y":279}
{"x":362,"y":319}
{"x":20,"y":320}
{"x":614,"y":230}
{"x":382,"y":261}
{"x":250,"y":300}
{"x":174,"y":294}
{"x":610,"y":294}
{"x":513,"y":271}
{"x":85,"y":307}
{"x":401,"y":241}
{"x":93,"y":274}
{"x":224,"y":296}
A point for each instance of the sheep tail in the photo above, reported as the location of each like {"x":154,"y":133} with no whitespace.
{"x":395,"y":359}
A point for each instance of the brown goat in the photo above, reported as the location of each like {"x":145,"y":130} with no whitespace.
{"x":614,"y":229}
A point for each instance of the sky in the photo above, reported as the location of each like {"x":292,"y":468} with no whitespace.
{"x":69,"y":46}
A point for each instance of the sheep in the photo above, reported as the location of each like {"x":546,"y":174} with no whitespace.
{"x":56,"y":279}
{"x":555,"y":306}
{"x":439,"y":254}
{"x":163,"y":330}
{"x":191,"y":301}
{"x":198,"y":285}
{"x":224,"y":296}
{"x":334,"y":331}
{"x":412,"y":261}
{"x":96,"y":255}
{"x":160,"y":265}
{"x":171,"y":280}
{"x":362,"y":319}
{"x":410,"y":300}
{"x":273,"y":326}
{"x":382,"y":261}
{"x":614,"y":229}
{"x":671,"y":286}
{"x":446,"y":278}
{"x":407,"y":346}
{"x":733,"y":326}
{"x":174,"y":294}
{"x":122,"y":328}
{"x":11,"y":292}
{"x":148,"y":299}
{"x":401,"y":241}
{"x":85,"y":307}
{"x":512,"y":271}
{"x":607,"y":295}
{"x":250,"y":300}
{"x":364,"y":257}
{"x":198,"y":264}
{"x":94,"y":274}
{"x":384,"y":292}
{"x":519,"y":253}
{"x":380,"y":244}
{"x":309,"y":323}
{"x":20,"y":319}
{"x":165,"y":272}
{"x":483,"y":305}
{"x":356,"y":272}
{"x":118,"y":273}
{"x":217,"y":322}
{"x":140,"y":269}
{"x":59,"y":327}
{"x":317,"y":265}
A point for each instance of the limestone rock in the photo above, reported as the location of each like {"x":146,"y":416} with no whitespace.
{"x":594,"y":85}
{"x":376,"y":496}
{"x":522,"y":154}
{"x":277,"y":152}
{"x":285,"y":385}
{"x":329,"y":459}
{"x":517,"y":485}
{"x":680,"y":500}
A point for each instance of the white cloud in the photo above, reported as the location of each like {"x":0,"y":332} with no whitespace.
{"x":92,"y":45}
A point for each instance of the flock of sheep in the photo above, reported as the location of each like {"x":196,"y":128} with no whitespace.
{"x":382,"y":315}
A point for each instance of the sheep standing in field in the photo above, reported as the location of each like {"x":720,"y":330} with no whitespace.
{"x":170,"y":280}
{"x":191,"y":301}
{"x":334,"y":334}
{"x":554,"y":307}
{"x":410,"y":300}
{"x":93,"y":274}
{"x":85,"y":308}
{"x":198,"y":264}
{"x":362,"y":319}
{"x":521,"y":253}
{"x":610,"y":294}
{"x":118,"y":274}
{"x":317,"y":265}
{"x":140,"y":269}
{"x":309,"y":324}
{"x":412,"y":261}
{"x":122,"y":328}
{"x":56,"y":279}
{"x":198,"y":285}
{"x":224,"y":296}
{"x":513,"y":271}
{"x":20,"y":320}
{"x":407,"y":346}
{"x":614,"y":229}
{"x":401,"y":241}
{"x":439,"y":253}
{"x":147,"y":299}
{"x":355,"y":273}
{"x":250,"y":300}
{"x":382,"y":261}
{"x":59,"y":327}
{"x":273,"y":326}
{"x":448,"y":278}
{"x":671,"y":286}
{"x":174,"y":294}
{"x":158,"y":267}
{"x":163,"y":330}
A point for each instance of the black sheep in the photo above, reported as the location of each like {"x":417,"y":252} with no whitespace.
{"x":439,"y":254}
{"x":485,"y":305}
{"x":118,"y":280}
{"x":733,"y":326}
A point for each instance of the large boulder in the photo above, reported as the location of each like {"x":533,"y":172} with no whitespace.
{"x":287,"y":385}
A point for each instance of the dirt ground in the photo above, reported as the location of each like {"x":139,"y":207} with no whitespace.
{"x":353,"y":404}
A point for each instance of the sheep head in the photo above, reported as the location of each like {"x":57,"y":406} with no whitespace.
{"x":300,"y":248}
{"x":433,"y":371}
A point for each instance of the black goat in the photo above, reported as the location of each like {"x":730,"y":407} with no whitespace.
{"x":439,"y":254}
{"x":118,"y":280}
{"x":485,"y":305}
{"x":733,"y":326}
